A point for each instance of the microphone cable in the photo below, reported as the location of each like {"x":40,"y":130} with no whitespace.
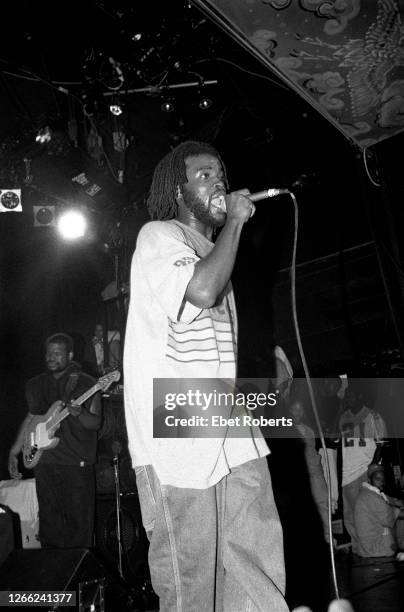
{"x":310,"y":388}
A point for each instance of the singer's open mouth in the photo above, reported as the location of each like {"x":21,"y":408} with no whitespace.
{"x":218,"y":202}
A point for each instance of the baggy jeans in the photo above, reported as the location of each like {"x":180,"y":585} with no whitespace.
{"x":218,"y":549}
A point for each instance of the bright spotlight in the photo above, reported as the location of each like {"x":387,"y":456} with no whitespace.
{"x":116,"y":109}
{"x":44,"y":135}
{"x":167,"y":106}
{"x":72,"y":225}
{"x":205,"y":103}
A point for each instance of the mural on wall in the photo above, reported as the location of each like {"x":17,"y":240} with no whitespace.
{"x":345,"y":57}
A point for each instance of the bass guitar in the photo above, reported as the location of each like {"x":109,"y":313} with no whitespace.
{"x":40,"y":432}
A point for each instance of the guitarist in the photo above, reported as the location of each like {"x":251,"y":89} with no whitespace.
{"x":65,"y":480}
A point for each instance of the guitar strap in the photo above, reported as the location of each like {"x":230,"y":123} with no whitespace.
{"x":70,"y":387}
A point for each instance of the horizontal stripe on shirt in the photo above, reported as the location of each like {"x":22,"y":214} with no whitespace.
{"x":199,"y":359}
{"x":207,"y":339}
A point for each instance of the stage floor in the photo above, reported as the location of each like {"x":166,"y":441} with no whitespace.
{"x":371,"y":585}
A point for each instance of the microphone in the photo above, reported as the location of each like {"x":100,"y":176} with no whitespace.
{"x":219,"y":200}
{"x":266,"y":193}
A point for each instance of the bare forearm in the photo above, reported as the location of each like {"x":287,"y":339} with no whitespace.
{"x":19,"y":441}
{"x":213,"y":272}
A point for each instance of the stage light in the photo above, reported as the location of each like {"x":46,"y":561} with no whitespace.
{"x":167,"y":106}
{"x":116,"y":109}
{"x":44,"y":215}
{"x":10,"y":200}
{"x":72,"y":224}
{"x":44,"y":135}
{"x":205,"y":103}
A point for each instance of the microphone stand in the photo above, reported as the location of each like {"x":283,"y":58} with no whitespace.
{"x":115,"y":463}
{"x":140,"y":594}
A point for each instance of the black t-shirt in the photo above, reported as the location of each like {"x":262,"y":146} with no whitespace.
{"x":77,"y":444}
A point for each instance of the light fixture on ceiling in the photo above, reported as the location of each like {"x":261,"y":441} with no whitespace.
{"x":167,"y":105}
{"x":116,"y":109}
{"x":43,"y":135}
{"x":205,"y":103}
{"x":44,"y":216}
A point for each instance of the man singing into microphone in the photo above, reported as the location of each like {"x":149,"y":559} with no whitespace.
{"x":207,"y":503}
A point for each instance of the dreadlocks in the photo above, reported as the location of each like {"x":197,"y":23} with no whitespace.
{"x":170,"y":173}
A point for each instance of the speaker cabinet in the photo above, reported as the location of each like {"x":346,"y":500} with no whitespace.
{"x":6,"y":532}
{"x":113,"y":439}
{"x":133,"y":536}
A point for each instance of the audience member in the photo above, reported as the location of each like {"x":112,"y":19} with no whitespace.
{"x":330,"y":394}
{"x":379,"y":532}
{"x":362,"y":431}
{"x":315,"y":471}
{"x":114,"y":349}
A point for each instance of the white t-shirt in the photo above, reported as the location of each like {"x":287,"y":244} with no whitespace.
{"x":359,"y":434}
{"x":168,"y":337}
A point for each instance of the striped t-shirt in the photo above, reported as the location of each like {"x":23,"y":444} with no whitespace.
{"x":168,"y":337}
{"x":210,"y":338}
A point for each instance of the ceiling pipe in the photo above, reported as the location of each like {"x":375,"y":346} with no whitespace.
{"x":158,"y":90}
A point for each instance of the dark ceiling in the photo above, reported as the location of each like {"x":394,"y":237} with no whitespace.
{"x":63,"y":64}
{"x":67,"y":62}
